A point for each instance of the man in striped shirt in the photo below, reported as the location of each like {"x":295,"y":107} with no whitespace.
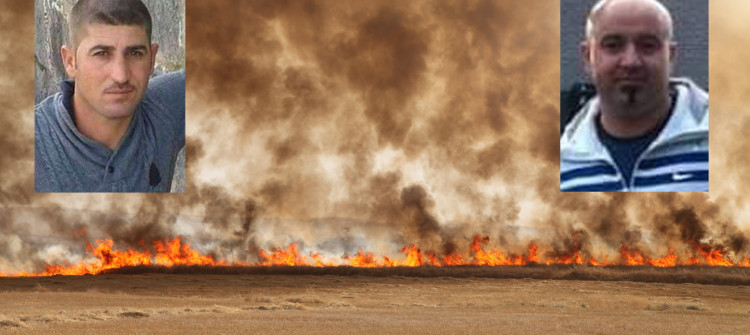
{"x":644,"y":131}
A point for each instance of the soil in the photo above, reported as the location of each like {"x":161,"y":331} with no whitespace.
{"x":180,"y":303}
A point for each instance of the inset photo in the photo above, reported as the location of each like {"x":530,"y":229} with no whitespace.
{"x":109,"y":96}
{"x":634,"y":96}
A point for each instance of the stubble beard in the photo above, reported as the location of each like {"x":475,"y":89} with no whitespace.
{"x":632,"y":102}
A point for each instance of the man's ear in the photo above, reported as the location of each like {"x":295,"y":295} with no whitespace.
{"x":68,"y":55}
{"x":154,"y":50}
{"x":672,"y":51}
{"x":584,"y":51}
{"x":672,"y":56}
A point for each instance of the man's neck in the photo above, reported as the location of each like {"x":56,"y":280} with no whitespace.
{"x":620,"y":122}
{"x":93,"y":125}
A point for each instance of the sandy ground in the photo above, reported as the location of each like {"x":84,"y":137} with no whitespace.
{"x":210,"y":303}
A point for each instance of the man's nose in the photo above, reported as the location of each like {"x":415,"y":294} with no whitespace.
{"x":120,"y":71}
{"x":631,"y":57}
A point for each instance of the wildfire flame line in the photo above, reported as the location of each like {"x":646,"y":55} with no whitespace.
{"x":177,"y":252}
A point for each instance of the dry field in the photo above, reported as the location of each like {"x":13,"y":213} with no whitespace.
{"x":379,"y":301}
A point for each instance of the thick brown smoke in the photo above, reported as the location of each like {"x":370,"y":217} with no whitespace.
{"x":404,"y":114}
{"x":16,"y":87}
{"x":373,"y":124}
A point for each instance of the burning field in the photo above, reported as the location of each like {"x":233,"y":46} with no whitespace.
{"x":376,"y":167}
{"x":169,"y":285}
{"x":171,"y":256}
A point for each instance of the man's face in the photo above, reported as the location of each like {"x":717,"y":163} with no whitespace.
{"x":629,"y":55}
{"x":111,"y":67}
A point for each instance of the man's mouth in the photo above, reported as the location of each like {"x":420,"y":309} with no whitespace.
{"x":119,"y":91}
{"x":631,"y":81}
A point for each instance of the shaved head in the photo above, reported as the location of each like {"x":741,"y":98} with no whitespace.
{"x":603,"y":6}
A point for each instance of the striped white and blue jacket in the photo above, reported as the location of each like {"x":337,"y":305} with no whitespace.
{"x":676,"y":161}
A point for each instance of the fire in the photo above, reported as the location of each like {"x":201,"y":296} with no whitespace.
{"x":413,"y":256}
{"x":453,"y":260}
{"x":713,"y":256}
{"x":290,"y":257}
{"x":168,"y":253}
{"x":110,"y":259}
{"x":177,"y":252}
{"x":636,"y":258}
{"x":533,"y":251}
{"x":574,"y":257}
{"x":594,"y":262}
{"x":702,"y":254}
{"x":494,"y":257}
{"x":180,"y":253}
{"x":363,"y":259}
{"x":319,"y":261}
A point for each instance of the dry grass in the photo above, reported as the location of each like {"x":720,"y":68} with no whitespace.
{"x":40,"y":288}
{"x":305,"y":300}
{"x":9,"y":324}
{"x":369,"y":304}
{"x":134,"y":315}
{"x":714,"y":275}
{"x":259,"y":299}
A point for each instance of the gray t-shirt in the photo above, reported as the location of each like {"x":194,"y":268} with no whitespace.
{"x":68,"y":161}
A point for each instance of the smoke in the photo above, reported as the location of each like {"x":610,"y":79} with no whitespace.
{"x":389,"y":112}
{"x":16,"y":141}
{"x":373,"y":124}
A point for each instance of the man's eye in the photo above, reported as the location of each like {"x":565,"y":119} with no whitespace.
{"x":649,"y":46}
{"x":136,"y":53}
{"x":100,"y":53}
{"x":611,"y":45}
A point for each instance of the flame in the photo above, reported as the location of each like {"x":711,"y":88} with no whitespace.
{"x":702,"y":254}
{"x":178,"y":252}
{"x":533,"y":252}
{"x":413,"y":256}
{"x":493,"y":257}
{"x":389,"y":262}
{"x":290,"y":257}
{"x":594,"y":262}
{"x":363,"y":259}
{"x":453,"y":260}
{"x":319,"y":260}
{"x":635,"y":257}
{"x":168,"y":253}
{"x":713,"y":256}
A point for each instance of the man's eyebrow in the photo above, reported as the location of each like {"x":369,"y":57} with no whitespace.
{"x":656,"y":37}
{"x":130,"y":48}
{"x":610,"y":37}
{"x":140,"y":47}
{"x":101,"y":47}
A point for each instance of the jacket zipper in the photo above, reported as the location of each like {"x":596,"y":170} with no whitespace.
{"x":653,"y":147}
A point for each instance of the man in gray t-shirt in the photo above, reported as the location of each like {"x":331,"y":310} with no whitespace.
{"x":111,"y":129}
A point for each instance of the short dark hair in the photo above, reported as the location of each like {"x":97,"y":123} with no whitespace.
{"x":111,"y":12}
